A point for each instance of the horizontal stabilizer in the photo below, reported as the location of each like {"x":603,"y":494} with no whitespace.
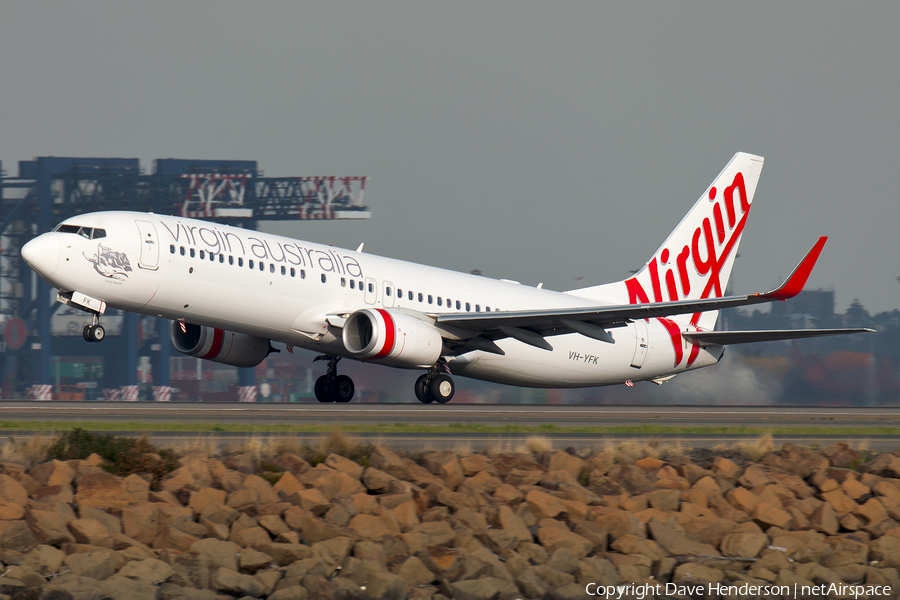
{"x":725,"y":338}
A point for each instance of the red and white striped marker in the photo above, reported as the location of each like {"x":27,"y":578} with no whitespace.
{"x":247,"y":393}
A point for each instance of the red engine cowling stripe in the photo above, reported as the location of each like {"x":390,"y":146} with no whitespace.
{"x":388,"y":336}
{"x":216,"y":347}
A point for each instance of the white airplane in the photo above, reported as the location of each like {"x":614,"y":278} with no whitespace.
{"x":231,"y":292}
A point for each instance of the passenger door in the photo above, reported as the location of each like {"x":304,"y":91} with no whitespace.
{"x":641,"y":343}
{"x":149,"y":246}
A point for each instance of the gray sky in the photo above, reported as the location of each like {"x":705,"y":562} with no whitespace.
{"x":536,"y":141}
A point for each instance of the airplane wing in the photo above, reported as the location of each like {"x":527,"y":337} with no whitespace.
{"x":531,"y":326}
{"x":726,"y":338}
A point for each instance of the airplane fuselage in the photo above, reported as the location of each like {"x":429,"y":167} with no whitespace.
{"x":292,"y":291}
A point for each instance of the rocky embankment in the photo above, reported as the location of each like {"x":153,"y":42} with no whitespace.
{"x":501,"y":526}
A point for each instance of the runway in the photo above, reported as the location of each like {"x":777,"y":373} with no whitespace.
{"x":315,"y":413}
{"x":482,"y":414}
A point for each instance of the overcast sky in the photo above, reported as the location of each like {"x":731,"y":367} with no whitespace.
{"x":536,"y":141}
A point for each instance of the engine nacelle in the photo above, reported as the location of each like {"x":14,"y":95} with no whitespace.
{"x":391,"y":338}
{"x":226,"y":347}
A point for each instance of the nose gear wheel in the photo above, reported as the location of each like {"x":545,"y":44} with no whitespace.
{"x":95,"y":331}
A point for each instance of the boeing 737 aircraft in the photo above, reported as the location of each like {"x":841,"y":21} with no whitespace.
{"x":232,"y":292}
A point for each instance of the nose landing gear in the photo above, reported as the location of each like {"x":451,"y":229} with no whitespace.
{"x":332,"y":387}
{"x":95,"y":331}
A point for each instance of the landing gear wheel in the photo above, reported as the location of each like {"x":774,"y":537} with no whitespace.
{"x":332,"y":387}
{"x":96,"y":333}
{"x":442,"y":388}
{"x":320,"y":389}
{"x":422,"y":390}
{"x":341,"y":389}
{"x":86,"y":334}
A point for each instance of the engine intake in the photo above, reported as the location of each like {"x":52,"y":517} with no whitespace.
{"x":391,"y":338}
{"x":217,"y":345}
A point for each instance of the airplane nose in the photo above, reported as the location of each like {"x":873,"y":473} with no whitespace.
{"x":42,"y":254}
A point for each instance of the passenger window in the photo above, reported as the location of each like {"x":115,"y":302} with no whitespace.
{"x":230,"y":260}
{"x":293,"y":272}
{"x":283,"y":271}
{"x":212,"y":257}
{"x":468,"y":307}
{"x":250,"y":263}
{"x":457,"y":305}
{"x":302,"y":273}
{"x":100,"y":233}
{"x":429,"y":298}
{"x":439,"y":300}
{"x":343,"y":282}
{"x":323,"y":277}
{"x":360,"y":286}
{"x":477,"y":308}
{"x":487,"y":309}
{"x":352,"y":284}
{"x":420,"y":296}
{"x":262,"y":266}
{"x":271,"y":267}
{"x":371,"y":288}
{"x":202,"y":256}
{"x":410,"y":295}
{"x":240,"y":261}
{"x":181,"y":249}
{"x":399,"y":294}
{"x":221,"y":259}
{"x":387,"y":291}
{"x":192,"y":253}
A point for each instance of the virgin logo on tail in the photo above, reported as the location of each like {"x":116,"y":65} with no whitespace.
{"x":702,"y":260}
{"x":697,"y":269}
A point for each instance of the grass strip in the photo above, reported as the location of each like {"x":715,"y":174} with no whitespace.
{"x":9,"y":427}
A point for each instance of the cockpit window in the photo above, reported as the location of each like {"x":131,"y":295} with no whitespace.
{"x":85,"y":232}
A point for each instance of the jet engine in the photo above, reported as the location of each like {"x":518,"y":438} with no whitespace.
{"x":226,"y":347}
{"x":391,"y":338}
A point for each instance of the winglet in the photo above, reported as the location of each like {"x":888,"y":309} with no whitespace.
{"x":794,"y":284}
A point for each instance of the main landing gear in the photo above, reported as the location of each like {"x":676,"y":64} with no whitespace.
{"x":94,"y":332}
{"x":434,"y":387}
{"x":332,"y":387}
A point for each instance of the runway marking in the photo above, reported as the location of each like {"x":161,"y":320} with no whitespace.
{"x":725,"y":411}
